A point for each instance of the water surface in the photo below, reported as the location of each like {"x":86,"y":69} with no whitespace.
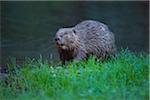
{"x":28,"y":28}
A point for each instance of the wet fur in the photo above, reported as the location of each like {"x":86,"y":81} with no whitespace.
{"x":87,"y":38}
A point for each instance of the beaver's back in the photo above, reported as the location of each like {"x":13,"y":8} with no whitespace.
{"x":95,"y":37}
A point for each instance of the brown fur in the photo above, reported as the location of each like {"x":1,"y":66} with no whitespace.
{"x":86,"y":38}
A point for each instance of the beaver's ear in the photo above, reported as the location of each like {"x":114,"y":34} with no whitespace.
{"x":74,"y":31}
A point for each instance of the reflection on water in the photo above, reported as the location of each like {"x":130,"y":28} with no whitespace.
{"x":28,"y":28}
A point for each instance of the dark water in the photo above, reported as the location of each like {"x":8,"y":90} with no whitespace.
{"x":28,"y":28}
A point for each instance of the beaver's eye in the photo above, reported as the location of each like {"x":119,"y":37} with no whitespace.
{"x":74,"y":31}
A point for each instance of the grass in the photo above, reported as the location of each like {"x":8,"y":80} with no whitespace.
{"x":124,"y":77}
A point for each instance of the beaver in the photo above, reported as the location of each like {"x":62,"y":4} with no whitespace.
{"x":87,"y":38}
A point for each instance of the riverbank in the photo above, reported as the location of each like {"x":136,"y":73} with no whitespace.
{"x":124,"y":77}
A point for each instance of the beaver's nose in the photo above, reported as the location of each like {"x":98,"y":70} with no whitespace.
{"x":57,"y":39}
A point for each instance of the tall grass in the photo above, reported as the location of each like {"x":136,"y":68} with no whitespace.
{"x":124,"y":77}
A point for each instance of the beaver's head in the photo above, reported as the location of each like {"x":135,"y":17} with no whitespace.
{"x":66,"y":39}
